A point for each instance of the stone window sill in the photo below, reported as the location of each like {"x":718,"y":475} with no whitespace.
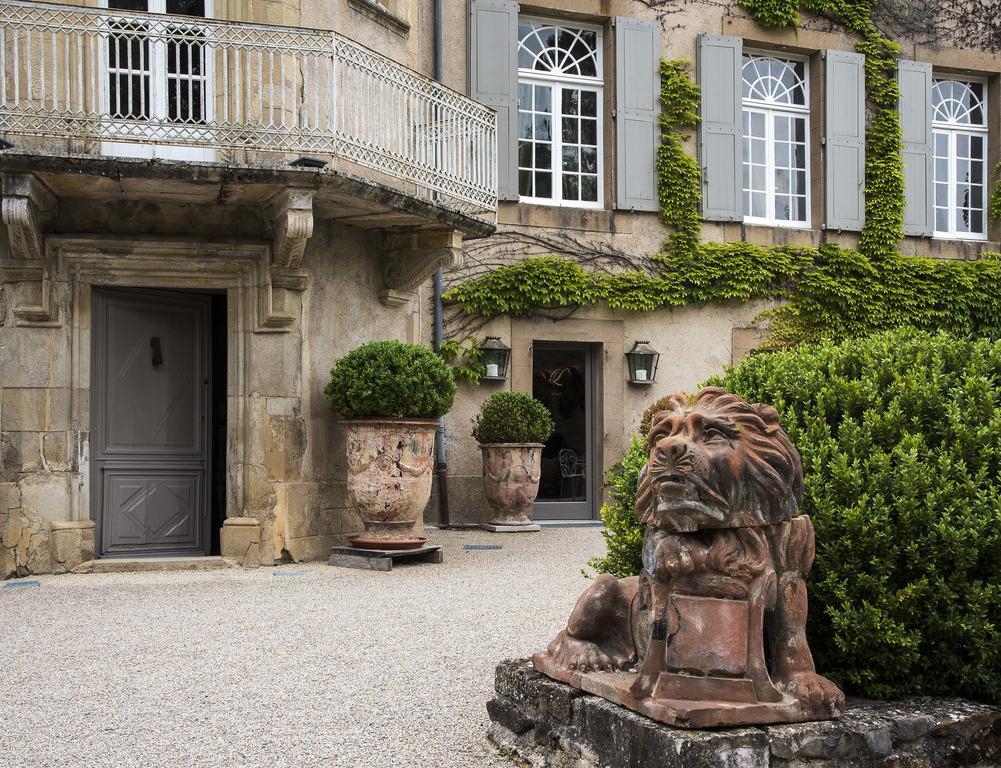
{"x":381,"y":14}
{"x":557,"y":217}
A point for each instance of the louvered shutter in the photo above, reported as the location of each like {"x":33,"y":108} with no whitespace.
{"x":637,"y":63}
{"x":493,"y":80}
{"x":914,"y":78}
{"x":845,"y":140}
{"x":721,"y":130}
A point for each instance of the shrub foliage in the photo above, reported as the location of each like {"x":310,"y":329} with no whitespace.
{"x":900,"y":435}
{"x":512,"y":417}
{"x":391,"y":379}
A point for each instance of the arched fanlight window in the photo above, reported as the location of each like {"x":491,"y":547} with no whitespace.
{"x":559,"y":114}
{"x":959,"y":121}
{"x":774,"y":81}
{"x":557,"y":50}
{"x":776,"y":151}
{"x":958,"y":103}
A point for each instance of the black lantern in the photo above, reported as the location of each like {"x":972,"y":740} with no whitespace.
{"x":642,"y":363}
{"x":495,"y":357}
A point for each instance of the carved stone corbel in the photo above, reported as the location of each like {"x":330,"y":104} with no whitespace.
{"x":410,"y":259}
{"x":291,"y":213}
{"x":27,"y":208}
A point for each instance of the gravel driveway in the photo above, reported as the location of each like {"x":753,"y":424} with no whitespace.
{"x":301,"y":665}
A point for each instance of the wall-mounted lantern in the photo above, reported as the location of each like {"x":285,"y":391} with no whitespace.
{"x":496,"y":356}
{"x":642,"y":363}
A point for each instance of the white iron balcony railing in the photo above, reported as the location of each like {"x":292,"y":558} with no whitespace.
{"x":121,"y":78}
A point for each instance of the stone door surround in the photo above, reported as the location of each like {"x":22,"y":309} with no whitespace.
{"x":238,"y":268}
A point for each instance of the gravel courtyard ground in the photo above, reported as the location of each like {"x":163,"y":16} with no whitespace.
{"x":300,"y":665}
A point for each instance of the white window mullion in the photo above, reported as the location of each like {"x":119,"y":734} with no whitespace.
{"x":557,"y":162}
{"x":770,"y":118}
{"x":953,"y":180}
{"x":158,"y":79}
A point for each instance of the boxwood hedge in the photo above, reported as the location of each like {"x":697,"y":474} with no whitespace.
{"x":900,"y":435}
{"x":391,"y":379}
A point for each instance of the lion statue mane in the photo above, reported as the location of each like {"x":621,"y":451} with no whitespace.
{"x":717,"y":461}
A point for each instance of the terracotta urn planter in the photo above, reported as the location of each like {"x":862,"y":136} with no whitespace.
{"x":511,"y":473}
{"x":390,"y":464}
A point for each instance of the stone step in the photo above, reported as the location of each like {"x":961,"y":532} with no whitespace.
{"x":152,"y":564}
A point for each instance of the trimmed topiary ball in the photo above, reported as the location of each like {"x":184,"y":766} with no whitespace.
{"x":900,"y":435}
{"x":390,"y":379}
{"x":512,"y":417}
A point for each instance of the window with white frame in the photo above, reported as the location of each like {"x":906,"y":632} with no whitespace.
{"x":959,"y":124}
{"x":153,"y":80}
{"x":776,"y":127}
{"x":559,"y":114}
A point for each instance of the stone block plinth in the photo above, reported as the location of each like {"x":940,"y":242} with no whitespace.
{"x":551,"y":724}
{"x":71,"y":542}
{"x":240,"y":541}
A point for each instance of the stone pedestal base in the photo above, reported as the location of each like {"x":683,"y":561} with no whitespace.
{"x":240,"y":541}
{"x":549,"y":724}
{"x":381,"y":559}
{"x":527,"y":528}
{"x":71,"y":542}
{"x":684,"y":700}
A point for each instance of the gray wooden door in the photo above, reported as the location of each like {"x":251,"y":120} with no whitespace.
{"x":149,"y":437}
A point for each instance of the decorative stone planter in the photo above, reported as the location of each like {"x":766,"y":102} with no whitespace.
{"x":511,"y":473}
{"x":390,"y":463}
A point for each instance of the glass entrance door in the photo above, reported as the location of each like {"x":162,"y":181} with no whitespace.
{"x":563,"y":380}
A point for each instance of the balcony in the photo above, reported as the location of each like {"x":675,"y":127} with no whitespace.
{"x":244,"y":96}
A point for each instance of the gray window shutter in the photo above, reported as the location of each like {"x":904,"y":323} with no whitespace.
{"x":845,"y":140}
{"x":721,"y":130}
{"x":493,"y":80}
{"x":914,"y":78}
{"x":637,"y":64}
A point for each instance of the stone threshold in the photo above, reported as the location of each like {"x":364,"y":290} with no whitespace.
{"x":543,"y":723}
{"x":153,"y":564}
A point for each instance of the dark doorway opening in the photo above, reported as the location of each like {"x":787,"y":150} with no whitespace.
{"x":219,"y":357}
{"x":563,"y":380}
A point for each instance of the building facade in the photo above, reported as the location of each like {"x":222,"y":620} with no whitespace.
{"x":174,"y":265}
{"x":178,"y":276}
{"x":781,"y":149}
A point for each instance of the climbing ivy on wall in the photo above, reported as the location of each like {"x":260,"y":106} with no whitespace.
{"x":828,"y":291}
{"x":678,"y":178}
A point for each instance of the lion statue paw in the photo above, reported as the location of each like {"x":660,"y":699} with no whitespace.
{"x":816,"y":691}
{"x":585,"y":656}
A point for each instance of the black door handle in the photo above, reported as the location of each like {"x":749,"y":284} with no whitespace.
{"x":154,"y":342}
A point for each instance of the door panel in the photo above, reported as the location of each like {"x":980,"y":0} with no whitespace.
{"x":151,"y":379}
{"x":150,"y":422}
{"x":563,"y":380}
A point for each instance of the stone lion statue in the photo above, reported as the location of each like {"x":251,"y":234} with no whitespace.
{"x":725,"y":557}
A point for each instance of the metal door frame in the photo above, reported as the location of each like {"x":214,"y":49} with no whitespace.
{"x":98,"y":385}
{"x":592,"y":426}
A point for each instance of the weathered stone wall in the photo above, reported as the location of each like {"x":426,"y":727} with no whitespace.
{"x":284,"y":449}
{"x":341,"y":310}
{"x":547,"y":724}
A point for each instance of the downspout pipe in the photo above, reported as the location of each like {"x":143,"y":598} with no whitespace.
{"x":441,"y":465}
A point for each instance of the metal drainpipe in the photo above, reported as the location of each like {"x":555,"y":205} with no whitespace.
{"x":441,"y":466}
